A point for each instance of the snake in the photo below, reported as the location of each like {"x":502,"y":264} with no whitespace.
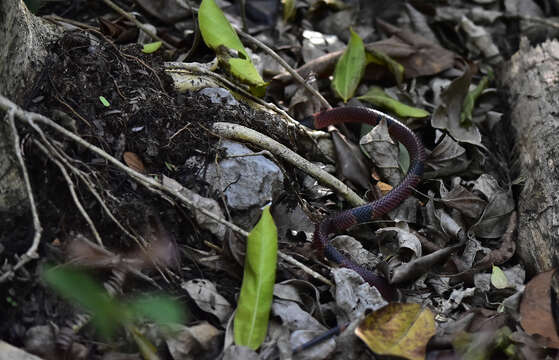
{"x":341,"y":221}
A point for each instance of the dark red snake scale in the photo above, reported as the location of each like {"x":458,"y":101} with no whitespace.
{"x":374,"y":210}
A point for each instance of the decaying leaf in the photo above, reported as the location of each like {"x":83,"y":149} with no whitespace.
{"x":536,"y":308}
{"x":205,"y":294}
{"x":418,"y":55}
{"x":495,"y":217}
{"x":133,"y":161}
{"x":350,"y":161}
{"x":398,"y":330}
{"x":448,"y":114}
{"x":463,"y":200}
{"x":383,"y":152}
{"x":448,"y":157}
{"x":417,"y":267}
{"x":498,"y":278}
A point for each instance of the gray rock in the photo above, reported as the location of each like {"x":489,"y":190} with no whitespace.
{"x":219,"y":96}
{"x":247,"y":181}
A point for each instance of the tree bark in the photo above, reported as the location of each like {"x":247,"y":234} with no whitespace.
{"x":531,"y":79}
{"x":24,"y":38}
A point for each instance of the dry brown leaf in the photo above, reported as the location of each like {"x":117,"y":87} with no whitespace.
{"x":536,"y":309}
{"x":134,"y":162}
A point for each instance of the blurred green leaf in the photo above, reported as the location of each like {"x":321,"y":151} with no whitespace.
{"x":160,"y":309}
{"x":104,"y":101}
{"x":403,"y":158}
{"x":469,"y":101}
{"x":147,"y":349}
{"x":498,"y":278}
{"x":288,"y":9}
{"x":378,"y":97}
{"x":255,"y":300}
{"x":377,"y":57}
{"x":151,"y":47}
{"x":349,"y":68}
{"x":81,"y":289}
{"x":220,"y":36}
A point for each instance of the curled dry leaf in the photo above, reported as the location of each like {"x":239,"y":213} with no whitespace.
{"x":205,"y":294}
{"x":447,"y":115}
{"x":463,"y":200}
{"x":133,"y":161}
{"x":383,"y":151}
{"x":448,"y":157}
{"x":350,"y":161}
{"x":417,"y":267}
{"x":398,"y":330}
{"x":536,"y":309}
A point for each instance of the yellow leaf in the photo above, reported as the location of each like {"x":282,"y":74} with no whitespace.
{"x":398,"y":330}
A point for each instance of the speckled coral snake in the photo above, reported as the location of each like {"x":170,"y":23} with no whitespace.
{"x":374,"y":210}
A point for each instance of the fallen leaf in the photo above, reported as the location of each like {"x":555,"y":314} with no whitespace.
{"x":220,"y":36}
{"x":255,"y":300}
{"x":498,"y":278}
{"x":376,"y":96}
{"x":447,"y":114}
{"x":350,"y":161}
{"x":536,"y":309}
{"x":398,"y":330}
{"x":134,"y":162}
{"x":151,"y":47}
{"x":349,"y":68}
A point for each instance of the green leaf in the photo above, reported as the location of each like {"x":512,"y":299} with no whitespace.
{"x":288,"y":9}
{"x":403,"y":158}
{"x":469,"y":101}
{"x":220,"y":36}
{"x":151,"y":47}
{"x":81,"y":289}
{"x":255,"y":300}
{"x":350,"y":68}
{"x":378,"y":97}
{"x":147,"y":349}
{"x":498,"y":278}
{"x":104,"y":101}
{"x":380,"y":58}
{"x":161,"y":309}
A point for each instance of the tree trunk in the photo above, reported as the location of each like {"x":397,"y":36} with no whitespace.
{"x":531,"y":79}
{"x":24,"y":38}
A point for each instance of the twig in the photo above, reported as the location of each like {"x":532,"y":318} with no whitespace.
{"x":176,"y":67}
{"x":546,"y":22}
{"x":286,"y":66}
{"x":130,"y":17}
{"x":72,"y":190}
{"x":73,"y":111}
{"x":31,"y":252}
{"x":87,"y":182}
{"x":305,"y":268}
{"x":239,"y":132}
{"x":187,"y":5}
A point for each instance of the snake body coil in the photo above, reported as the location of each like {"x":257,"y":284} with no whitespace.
{"x":375,"y":209}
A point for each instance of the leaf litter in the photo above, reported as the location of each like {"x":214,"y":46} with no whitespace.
{"x":460,"y":221}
